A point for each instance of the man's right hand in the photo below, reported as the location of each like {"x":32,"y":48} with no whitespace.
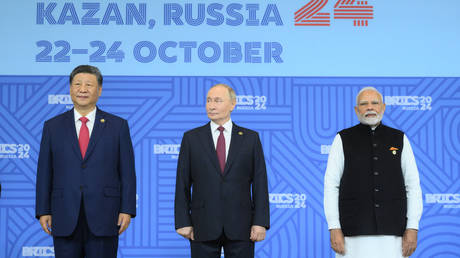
{"x":186,"y":232}
{"x":45,"y":222}
{"x":337,"y":241}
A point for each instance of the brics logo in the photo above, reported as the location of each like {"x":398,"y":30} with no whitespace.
{"x":249,"y":102}
{"x":167,"y":149}
{"x":14,"y":151}
{"x":449,"y":200}
{"x":410,"y":102}
{"x":63,"y":99}
{"x":37,"y":251}
{"x":288,"y":200}
{"x":60,"y":99}
{"x":310,"y":14}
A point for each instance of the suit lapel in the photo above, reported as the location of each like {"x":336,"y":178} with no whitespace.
{"x":235,"y":144}
{"x":72,"y":132}
{"x":206,"y":139}
{"x":98,"y":129}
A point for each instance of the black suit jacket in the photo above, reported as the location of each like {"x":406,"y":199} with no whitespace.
{"x":221,"y":202}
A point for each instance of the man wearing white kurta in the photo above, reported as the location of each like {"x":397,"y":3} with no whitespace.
{"x":372,"y":196}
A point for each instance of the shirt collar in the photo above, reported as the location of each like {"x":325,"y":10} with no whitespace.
{"x":228,"y":126}
{"x":91,"y":115}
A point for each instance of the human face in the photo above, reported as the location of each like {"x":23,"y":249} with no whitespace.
{"x":85,"y":92}
{"x":219,"y":105}
{"x":370,"y":108}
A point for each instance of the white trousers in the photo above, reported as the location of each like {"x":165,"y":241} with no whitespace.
{"x":372,"y":247}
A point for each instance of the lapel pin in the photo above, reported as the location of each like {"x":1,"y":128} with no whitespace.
{"x":393,"y":150}
{"x":240,"y":133}
{"x":102,"y":120}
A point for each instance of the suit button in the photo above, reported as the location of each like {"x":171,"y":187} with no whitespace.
{"x":374,"y":145}
{"x":83,"y":165}
{"x":376,"y":173}
{"x":376,"y":158}
{"x":377,"y":205}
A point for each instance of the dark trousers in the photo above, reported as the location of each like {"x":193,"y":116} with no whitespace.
{"x":83,"y":243}
{"x":232,"y":248}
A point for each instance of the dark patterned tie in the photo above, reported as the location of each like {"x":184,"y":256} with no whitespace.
{"x":220,"y":148}
{"x":83,"y":138}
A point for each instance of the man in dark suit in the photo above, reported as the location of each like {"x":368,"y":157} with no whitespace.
{"x":222,"y":162}
{"x":86,"y":183}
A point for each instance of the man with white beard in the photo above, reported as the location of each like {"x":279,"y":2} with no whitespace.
{"x":372,"y":196}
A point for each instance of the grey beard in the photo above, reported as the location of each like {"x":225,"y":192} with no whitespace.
{"x":371,"y":120}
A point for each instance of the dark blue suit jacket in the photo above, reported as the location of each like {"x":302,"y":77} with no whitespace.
{"x":105,"y":178}
{"x":221,"y":202}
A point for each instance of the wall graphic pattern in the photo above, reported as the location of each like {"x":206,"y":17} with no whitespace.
{"x":297,"y":118}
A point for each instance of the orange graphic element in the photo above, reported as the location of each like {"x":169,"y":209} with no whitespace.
{"x":309,"y":14}
{"x":358,"y":11}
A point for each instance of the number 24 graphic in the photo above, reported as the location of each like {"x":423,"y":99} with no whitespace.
{"x":358,"y":11}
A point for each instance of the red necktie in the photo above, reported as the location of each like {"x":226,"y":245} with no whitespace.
{"x":83,"y":140}
{"x":220,"y":148}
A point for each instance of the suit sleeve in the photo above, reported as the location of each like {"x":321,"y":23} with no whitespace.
{"x":127,"y":172}
{"x":260,"y":188}
{"x":183,"y":184}
{"x":44,"y":175}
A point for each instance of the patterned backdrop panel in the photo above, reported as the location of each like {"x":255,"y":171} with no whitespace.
{"x":297,"y":118}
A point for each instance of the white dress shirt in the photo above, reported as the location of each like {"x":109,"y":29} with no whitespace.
{"x":375,"y":246}
{"x":90,"y":123}
{"x":227,"y":134}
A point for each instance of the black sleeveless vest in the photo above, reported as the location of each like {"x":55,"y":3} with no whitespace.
{"x":372,"y":193}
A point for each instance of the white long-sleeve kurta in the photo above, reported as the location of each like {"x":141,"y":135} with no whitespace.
{"x":371,"y":246}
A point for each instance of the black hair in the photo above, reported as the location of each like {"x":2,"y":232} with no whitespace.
{"x":87,"y":69}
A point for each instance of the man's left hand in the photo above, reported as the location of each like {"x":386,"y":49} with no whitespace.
{"x":409,"y":242}
{"x":123,"y":221}
{"x":257,"y":233}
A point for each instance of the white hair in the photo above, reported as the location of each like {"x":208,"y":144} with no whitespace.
{"x":368,"y":88}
